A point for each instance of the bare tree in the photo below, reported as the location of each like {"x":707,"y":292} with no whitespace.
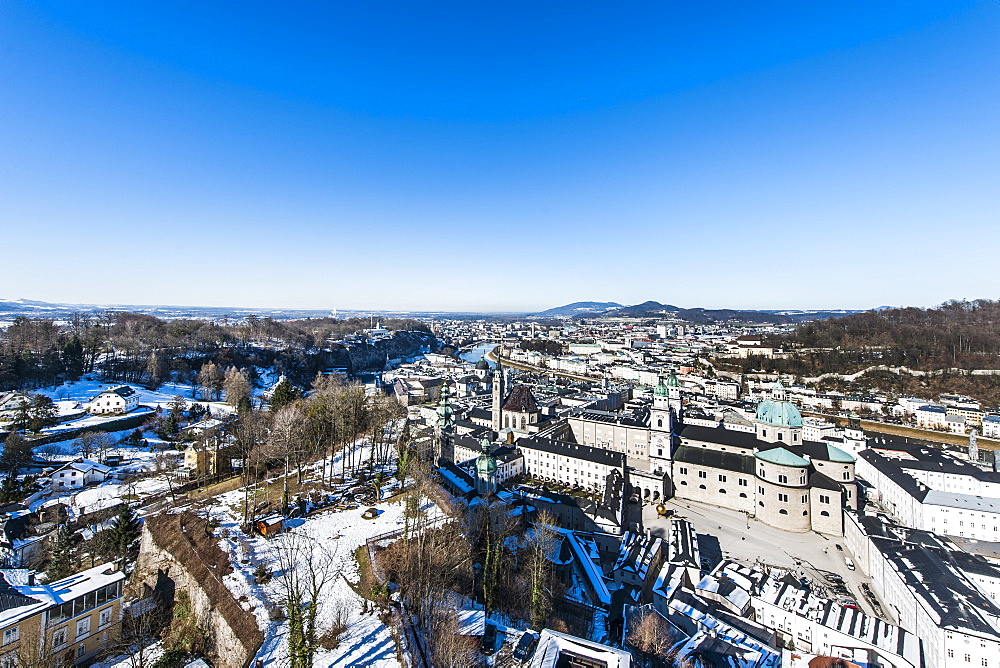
{"x":651,"y":636}
{"x":541,"y":541}
{"x":285,"y":440}
{"x":236,"y":386}
{"x":307,"y":568}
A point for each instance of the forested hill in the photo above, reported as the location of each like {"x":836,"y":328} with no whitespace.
{"x":961,"y":334}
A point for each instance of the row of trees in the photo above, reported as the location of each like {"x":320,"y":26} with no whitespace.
{"x":336,"y":418}
{"x":963,"y":334}
{"x":139,"y":348}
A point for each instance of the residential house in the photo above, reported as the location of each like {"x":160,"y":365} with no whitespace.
{"x":121,"y":399}
{"x":78,"y":474}
{"x":69,"y":621}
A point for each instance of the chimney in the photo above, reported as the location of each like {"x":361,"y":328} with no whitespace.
{"x":31,"y":579}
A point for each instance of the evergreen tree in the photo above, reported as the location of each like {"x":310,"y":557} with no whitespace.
{"x":72,"y":357}
{"x":284,"y":393}
{"x":18,"y":453}
{"x":64,"y":560}
{"x":245,"y":406}
{"x":123,"y":536}
{"x":41,"y":413}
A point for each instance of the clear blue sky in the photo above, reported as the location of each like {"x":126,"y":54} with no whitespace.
{"x":500,"y":156}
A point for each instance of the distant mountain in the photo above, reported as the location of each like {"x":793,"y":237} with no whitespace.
{"x":642,"y":310}
{"x":654,"y":309}
{"x":579,"y":309}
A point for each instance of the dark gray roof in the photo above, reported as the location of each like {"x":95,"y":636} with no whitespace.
{"x":739,"y":439}
{"x":480,"y":414}
{"x":585,"y":452}
{"x":891,"y":470}
{"x":729,"y":461}
{"x":822,"y":481}
{"x":521,"y":400}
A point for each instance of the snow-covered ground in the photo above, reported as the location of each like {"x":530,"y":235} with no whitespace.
{"x":367,"y":642}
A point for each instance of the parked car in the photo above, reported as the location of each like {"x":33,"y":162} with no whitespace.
{"x":839,"y":548}
{"x":849,"y":562}
{"x":489,"y":639}
{"x":525,"y":646}
{"x":853,"y":605}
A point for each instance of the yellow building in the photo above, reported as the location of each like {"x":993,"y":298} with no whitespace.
{"x":70,"y":620}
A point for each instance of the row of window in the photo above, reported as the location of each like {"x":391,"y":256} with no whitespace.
{"x":81,"y":604}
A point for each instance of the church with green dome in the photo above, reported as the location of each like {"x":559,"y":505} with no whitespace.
{"x":772,"y":474}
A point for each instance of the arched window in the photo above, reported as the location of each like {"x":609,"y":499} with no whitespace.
{"x":701,"y":487}
{"x":824,"y":513}
{"x":722,"y":491}
{"x":743,"y":495}
{"x":684,"y":482}
{"x":760,"y":503}
{"x":659,"y":423}
{"x":782,"y":512}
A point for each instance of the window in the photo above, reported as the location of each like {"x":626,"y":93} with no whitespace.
{"x":11,"y":635}
{"x":684,"y":482}
{"x":847,"y":475}
{"x":782,"y":512}
{"x":702,"y":474}
{"x":743,"y":482}
{"x":59,"y":637}
{"x":743,"y":495}
{"x":81,"y":650}
{"x":701,"y":487}
{"x":783,"y":479}
{"x":722,"y":478}
{"x":684,"y":470}
{"x":951,"y":654}
{"x":781,"y":436}
{"x":760,"y":490}
{"x":823,"y":498}
{"x":805,"y":499}
{"x":83,"y":627}
{"x":824,"y":513}
{"x":783,"y":498}
{"x":722,"y":491}
{"x":105,"y":617}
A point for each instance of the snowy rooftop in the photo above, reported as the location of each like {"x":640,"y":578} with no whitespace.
{"x":553,"y":646}
{"x":49,"y":595}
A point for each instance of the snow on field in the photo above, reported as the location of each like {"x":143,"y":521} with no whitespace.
{"x":367,"y":642}
{"x":82,"y":391}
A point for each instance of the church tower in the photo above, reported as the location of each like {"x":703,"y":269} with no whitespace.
{"x":444,"y":450}
{"x":661,"y":425}
{"x":498,"y":396}
{"x":486,"y":471}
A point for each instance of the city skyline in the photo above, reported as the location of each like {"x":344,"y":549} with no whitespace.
{"x":500,"y":159}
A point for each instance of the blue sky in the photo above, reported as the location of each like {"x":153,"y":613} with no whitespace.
{"x":510,"y":156}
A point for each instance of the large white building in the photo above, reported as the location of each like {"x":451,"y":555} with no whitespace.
{"x":120,"y":399}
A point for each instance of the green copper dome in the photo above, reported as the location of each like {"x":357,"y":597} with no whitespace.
{"x":486,"y":464}
{"x":779,"y":413}
{"x":781,"y":457}
{"x":663,"y":387}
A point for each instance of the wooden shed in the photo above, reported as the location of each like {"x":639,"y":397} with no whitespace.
{"x":269,"y":526}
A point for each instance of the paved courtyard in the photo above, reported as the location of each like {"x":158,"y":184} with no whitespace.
{"x":810,"y":555}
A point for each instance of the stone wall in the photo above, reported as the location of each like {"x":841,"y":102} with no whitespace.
{"x":177,"y":554}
